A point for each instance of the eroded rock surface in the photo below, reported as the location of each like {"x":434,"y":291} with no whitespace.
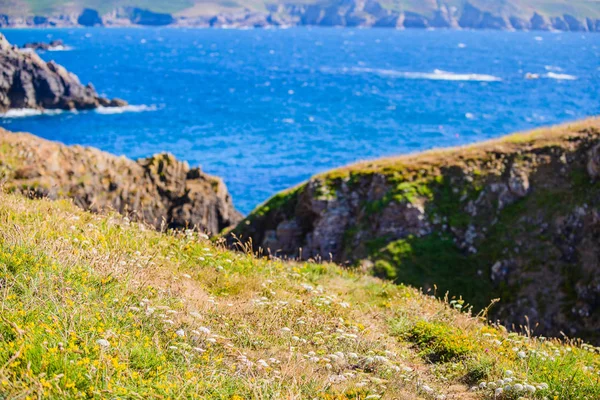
{"x":159,"y":190}
{"x":27,"y":81}
{"x":517,"y":218}
{"x":504,"y":15}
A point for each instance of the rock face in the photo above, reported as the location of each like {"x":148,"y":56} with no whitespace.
{"x":517,"y":218}
{"x":27,"y":81}
{"x":89,"y":17}
{"x":158,"y":190}
{"x":474,"y":14}
{"x":44,"y":46}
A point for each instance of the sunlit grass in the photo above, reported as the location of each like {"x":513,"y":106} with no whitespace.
{"x":97,"y":307}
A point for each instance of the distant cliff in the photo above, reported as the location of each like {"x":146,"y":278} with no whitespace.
{"x":158,"y":190}
{"x":578,"y":15}
{"x":27,"y":81}
{"x":516,"y":218}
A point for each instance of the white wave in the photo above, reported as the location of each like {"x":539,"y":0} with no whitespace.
{"x":32,"y":112}
{"x":28,"y":112}
{"x":60,"y":48}
{"x":436,"y":75}
{"x":560,"y":77}
{"x":124,"y":109}
{"x":553,"y":68}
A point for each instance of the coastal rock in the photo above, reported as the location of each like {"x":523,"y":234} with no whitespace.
{"x":559,"y":24}
{"x":516,"y":218}
{"x":540,"y":23}
{"x":27,"y":81}
{"x":593,"y":165}
{"x":139,"y":16}
{"x":505,"y":15}
{"x":474,"y":18}
{"x":159,"y":190}
{"x":574,"y":24}
{"x":89,"y":17}
{"x":44,"y":46}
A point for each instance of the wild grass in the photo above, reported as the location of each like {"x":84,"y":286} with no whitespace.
{"x":99,"y":307}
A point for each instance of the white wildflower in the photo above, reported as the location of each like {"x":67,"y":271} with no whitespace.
{"x":427,"y":389}
{"x":103,"y":343}
{"x":204,"y":330}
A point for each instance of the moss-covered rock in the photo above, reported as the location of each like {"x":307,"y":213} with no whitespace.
{"x":516,"y":218}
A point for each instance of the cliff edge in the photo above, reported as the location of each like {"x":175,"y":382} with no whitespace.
{"x":159,"y":190}
{"x":516,"y":219}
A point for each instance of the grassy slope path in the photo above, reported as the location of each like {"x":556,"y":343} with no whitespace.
{"x":98,"y":307}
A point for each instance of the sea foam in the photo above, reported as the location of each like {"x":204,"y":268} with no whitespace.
{"x":28,"y":112}
{"x":60,"y":48}
{"x":560,"y":77}
{"x":124,"y":109}
{"x":32,"y":112}
{"x":436,"y":75}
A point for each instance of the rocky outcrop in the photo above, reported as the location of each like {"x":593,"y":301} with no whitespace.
{"x":509,"y":14}
{"x":159,"y":190}
{"x":139,"y":16}
{"x":42,"y":46}
{"x":516,"y":218}
{"x":27,"y":81}
{"x":89,"y":17}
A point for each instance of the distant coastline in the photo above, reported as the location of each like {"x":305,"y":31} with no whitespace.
{"x":350,"y":13}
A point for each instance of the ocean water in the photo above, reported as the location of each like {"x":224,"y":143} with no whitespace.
{"x":266,"y":109}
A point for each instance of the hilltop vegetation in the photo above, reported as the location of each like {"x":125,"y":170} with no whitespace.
{"x":576,"y":15}
{"x":551,"y":8}
{"x":515,"y":219}
{"x":98,"y":307}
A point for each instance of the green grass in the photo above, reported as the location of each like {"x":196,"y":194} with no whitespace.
{"x":434,"y":263}
{"x":70,"y":280}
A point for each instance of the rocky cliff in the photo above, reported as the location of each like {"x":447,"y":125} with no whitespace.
{"x":158,"y":190}
{"x":27,"y":81}
{"x":516,"y":219}
{"x":578,"y":15}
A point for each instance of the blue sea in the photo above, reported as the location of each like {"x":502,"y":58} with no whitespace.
{"x":266,"y":109}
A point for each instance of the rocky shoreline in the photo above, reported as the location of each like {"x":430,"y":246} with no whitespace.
{"x":28,"y":82}
{"x":346,"y":13}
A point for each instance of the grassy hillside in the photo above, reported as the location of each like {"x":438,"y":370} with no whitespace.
{"x":98,"y":307}
{"x":513,"y":218}
{"x":578,"y":8}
